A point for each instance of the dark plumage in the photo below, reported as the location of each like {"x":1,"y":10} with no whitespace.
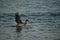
{"x":17,"y":18}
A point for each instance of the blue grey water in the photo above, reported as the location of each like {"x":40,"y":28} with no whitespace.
{"x":45,"y":15}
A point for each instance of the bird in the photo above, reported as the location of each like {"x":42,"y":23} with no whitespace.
{"x":19,"y":21}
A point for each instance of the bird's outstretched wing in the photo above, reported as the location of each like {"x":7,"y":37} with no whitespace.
{"x":17,"y":18}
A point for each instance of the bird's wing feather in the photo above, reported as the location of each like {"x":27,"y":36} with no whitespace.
{"x":17,"y":18}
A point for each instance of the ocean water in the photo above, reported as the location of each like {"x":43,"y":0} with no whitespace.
{"x":44,"y":27}
{"x":44,"y":14}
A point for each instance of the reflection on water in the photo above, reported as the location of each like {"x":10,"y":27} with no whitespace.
{"x":18,"y":29}
{"x":18,"y":36}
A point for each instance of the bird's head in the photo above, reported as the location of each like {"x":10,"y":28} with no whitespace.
{"x":28,"y":21}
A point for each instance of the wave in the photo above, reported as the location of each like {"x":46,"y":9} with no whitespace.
{"x":55,"y":14}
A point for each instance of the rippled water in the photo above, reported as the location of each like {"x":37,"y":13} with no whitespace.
{"x":45,"y":15}
{"x":44,"y":27}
